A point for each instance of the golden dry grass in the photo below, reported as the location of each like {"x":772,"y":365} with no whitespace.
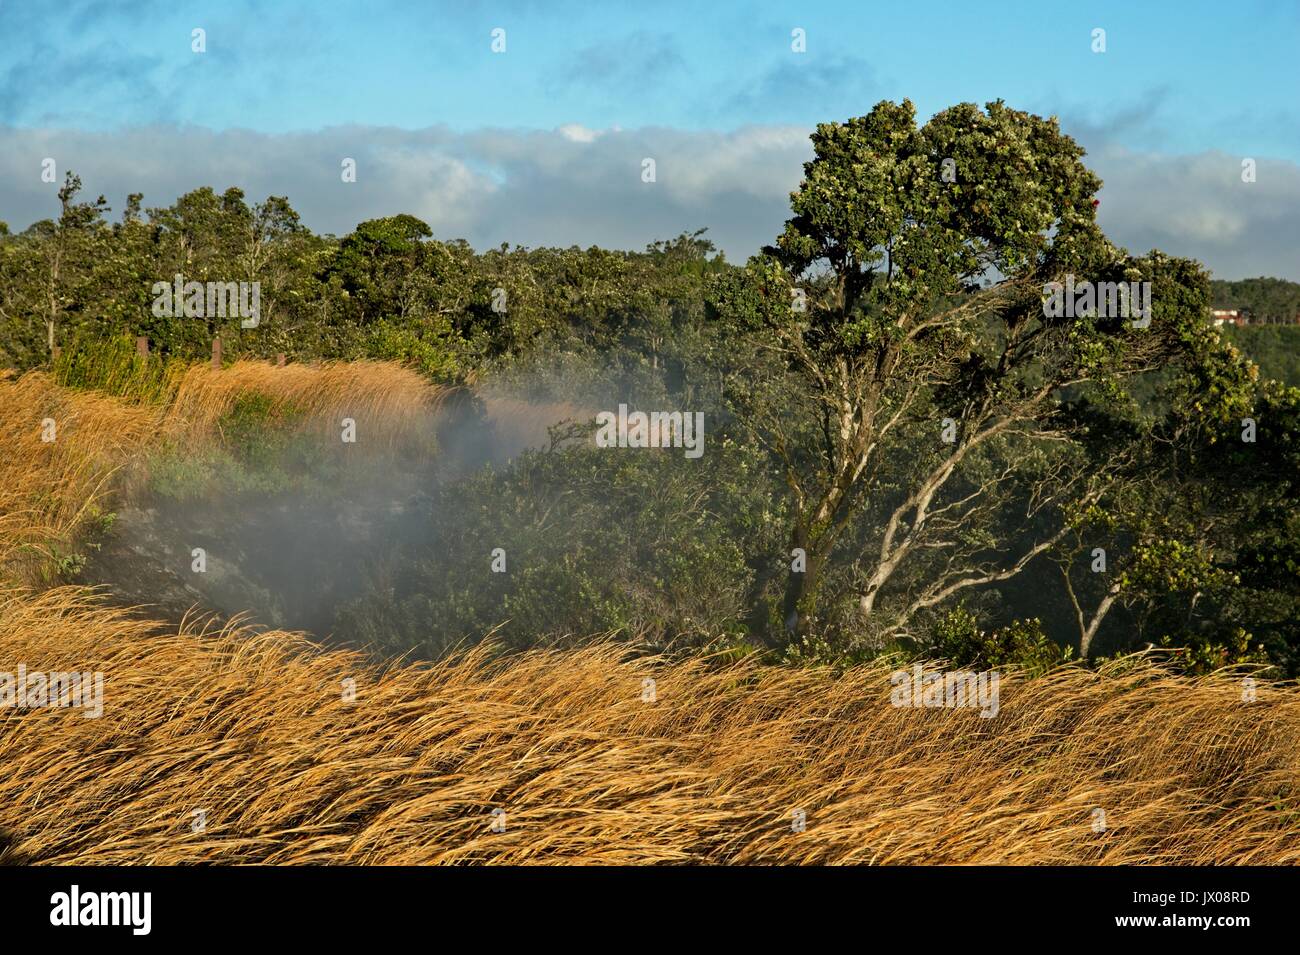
{"x":385,"y":399}
{"x":48,"y":489}
{"x":255,"y":731}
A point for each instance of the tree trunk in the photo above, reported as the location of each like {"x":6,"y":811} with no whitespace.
{"x":1085,"y":639}
{"x":801,"y":589}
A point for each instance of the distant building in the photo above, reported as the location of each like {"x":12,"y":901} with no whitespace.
{"x":1228,"y":316}
{"x":1243,"y":316}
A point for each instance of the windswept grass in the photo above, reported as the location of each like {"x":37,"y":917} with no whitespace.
{"x":385,"y":400}
{"x":255,"y":731}
{"x":49,"y":490}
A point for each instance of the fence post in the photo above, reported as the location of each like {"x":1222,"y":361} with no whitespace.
{"x":279,"y":360}
{"x":216,"y":353}
{"x":142,"y":346}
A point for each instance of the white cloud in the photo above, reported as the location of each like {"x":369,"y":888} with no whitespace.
{"x":577,"y":133}
{"x":576,"y":185}
{"x":1198,"y":206}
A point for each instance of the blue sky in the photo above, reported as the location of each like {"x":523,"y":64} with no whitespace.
{"x":1182,"y":93}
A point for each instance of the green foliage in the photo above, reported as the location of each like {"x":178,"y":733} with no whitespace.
{"x":70,"y":560}
{"x":595,"y":540}
{"x":1274,"y":348}
{"x":907,"y":290}
{"x":262,"y":450}
{"x":114,"y":366}
{"x":959,"y":639}
{"x":435,"y":355}
{"x":258,"y":428}
{"x":1202,"y":653}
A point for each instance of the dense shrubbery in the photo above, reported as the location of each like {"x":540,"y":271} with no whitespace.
{"x":260,"y":450}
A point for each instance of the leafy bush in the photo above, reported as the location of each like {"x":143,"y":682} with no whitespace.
{"x":261,"y":449}
{"x":438,"y":358}
{"x":1201,"y":654}
{"x":958,"y":638}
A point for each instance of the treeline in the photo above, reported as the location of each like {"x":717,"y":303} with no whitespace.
{"x":1272,"y":339}
{"x":1265,"y":299}
{"x":388,"y":290}
{"x":1274,"y":348}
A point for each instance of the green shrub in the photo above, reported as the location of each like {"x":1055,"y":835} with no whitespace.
{"x":435,"y":356}
{"x":958,"y":639}
{"x":1199,"y":654}
{"x":261,"y":449}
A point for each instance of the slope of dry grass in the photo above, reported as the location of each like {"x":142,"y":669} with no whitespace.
{"x":48,"y":489}
{"x":255,"y":731}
